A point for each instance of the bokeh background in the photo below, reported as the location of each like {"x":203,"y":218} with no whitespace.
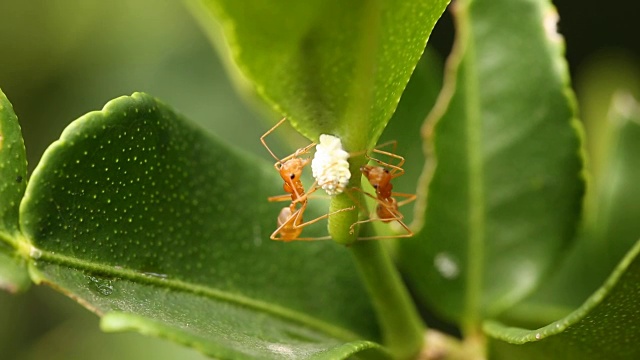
{"x":61,"y":59}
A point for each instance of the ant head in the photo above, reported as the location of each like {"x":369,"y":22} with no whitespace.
{"x":291,"y":170}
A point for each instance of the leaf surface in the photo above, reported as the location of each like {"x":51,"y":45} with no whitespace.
{"x":331,"y":66}
{"x":604,"y":327}
{"x":612,"y":213}
{"x":13,"y":181}
{"x":504,"y":197}
{"x":405,"y":126}
{"x":148,"y":221}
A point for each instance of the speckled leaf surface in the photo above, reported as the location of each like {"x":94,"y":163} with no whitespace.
{"x":504,"y":197}
{"x":604,"y":327}
{"x":211,"y":324}
{"x":13,"y":180}
{"x":331,"y":66}
{"x":405,"y":126}
{"x":136,"y":212}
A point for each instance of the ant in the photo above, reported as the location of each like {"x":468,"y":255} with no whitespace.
{"x":290,"y":219}
{"x":379,"y":176}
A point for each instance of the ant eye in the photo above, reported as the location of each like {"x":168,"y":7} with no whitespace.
{"x":375,"y":186}
{"x":293,"y":176}
{"x":386,"y":171}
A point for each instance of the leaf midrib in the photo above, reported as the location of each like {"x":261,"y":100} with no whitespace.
{"x":200,"y":290}
{"x":473,"y":124}
{"x":358,"y":114}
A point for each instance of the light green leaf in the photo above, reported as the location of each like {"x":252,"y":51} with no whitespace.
{"x":148,"y":221}
{"x":505,"y":195}
{"x":604,"y":327}
{"x":407,"y":122}
{"x":616,"y":209}
{"x":13,"y":181}
{"x":331,"y":66}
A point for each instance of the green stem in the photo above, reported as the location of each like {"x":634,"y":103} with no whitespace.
{"x":402,"y":328}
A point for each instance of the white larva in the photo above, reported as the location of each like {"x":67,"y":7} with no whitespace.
{"x":329,"y":165}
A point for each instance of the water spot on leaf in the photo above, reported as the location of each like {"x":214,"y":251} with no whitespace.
{"x":281,"y":349}
{"x":446,"y":265}
{"x":35,"y":253}
{"x":100,"y":285}
{"x":156,"y":275}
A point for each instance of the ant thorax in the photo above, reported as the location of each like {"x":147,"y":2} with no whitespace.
{"x":379,"y":178}
{"x":330,"y":166}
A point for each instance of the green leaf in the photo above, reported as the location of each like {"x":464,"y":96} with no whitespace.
{"x":408,"y":120}
{"x":612,"y":213}
{"x":224,"y":328}
{"x":331,"y":66}
{"x":148,"y":221}
{"x":605,"y":327}
{"x":505,"y":195}
{"x":13,"y":181}
{"x":616,"y":210}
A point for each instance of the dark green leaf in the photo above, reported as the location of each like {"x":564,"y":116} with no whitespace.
{"x":13,"y":181}
{"x":331,"y":66}
{"x":605,"y":327}
{"x":138,"y":214}
{"x":613,"y":213}
{"x":229,"y":328}
{"x":506,"y":193}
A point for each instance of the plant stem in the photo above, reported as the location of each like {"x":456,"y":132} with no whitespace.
{"x":402,"y":328}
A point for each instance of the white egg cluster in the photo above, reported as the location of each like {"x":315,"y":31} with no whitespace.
{"x":330,"y":167}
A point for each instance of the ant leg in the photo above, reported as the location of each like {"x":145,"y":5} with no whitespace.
{"x":397,"y":216}
{"x":287,"y":197}
{"x":319,"y":217}
{"x":391,"y":155}
{"x":293,"y":219}
{"x":297,"y":153}
{"x":287,"y":223}
{"x":379,"y":146}
{"x":303,"y":198}
{"x":277,"y":198}
{"x":352,"y":227}
{"x":397,"y":169}
{"x":409,"y":198}
{"x":355,"y":200}
{"x":398,"y":219}
{"x":387,"y":143}
{"x":297,"y":197}
{"x":269,"y":132}
{"x":379,"y":237}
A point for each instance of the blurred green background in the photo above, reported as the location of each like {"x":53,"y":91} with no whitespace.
{"x":61,"y":59}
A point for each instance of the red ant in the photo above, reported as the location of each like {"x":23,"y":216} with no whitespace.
{"x":290,"y":220}
{"x":387,"y":209}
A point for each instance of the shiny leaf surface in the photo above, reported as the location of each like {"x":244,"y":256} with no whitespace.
{"x":610,"y":228}
{"x":148,"y":221}
{"x":13,"y":181}
{"x":330,"y":66}
{"x":504,"y":197}
{"x":604,"y":327}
